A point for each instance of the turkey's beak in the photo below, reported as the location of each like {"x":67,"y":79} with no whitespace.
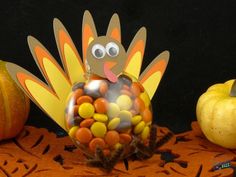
{"x":110,"y":64}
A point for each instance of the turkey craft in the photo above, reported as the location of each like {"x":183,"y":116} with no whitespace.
{"x":103,"y":102}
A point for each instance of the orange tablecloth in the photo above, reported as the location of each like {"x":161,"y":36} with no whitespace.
{"x":39,"y":153}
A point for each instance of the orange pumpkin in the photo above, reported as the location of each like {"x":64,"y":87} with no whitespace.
{"x":14,"y":105}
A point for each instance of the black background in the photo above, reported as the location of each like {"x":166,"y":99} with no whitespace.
{"x":200,"y":35}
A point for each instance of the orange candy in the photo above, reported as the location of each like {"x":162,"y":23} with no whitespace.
{"x":101,"y":105}
{"x":78,"y":93}
{"x":112,"y":137}
{"x":139,"y":105}
{"x":96,"y":142}
{"x":84,"y":99}
{"x":147,"y":115}
{"x":135,"y":89}
{"x":91,"y":125}
{"x":103,"y":88}
{"x":106,"y":152}
{"x":83,"y":135}
{"x":87,"y":123}
{"x":125,"y":138}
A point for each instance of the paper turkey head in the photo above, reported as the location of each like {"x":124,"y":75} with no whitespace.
{"x":104,"y":55}
{"x":106,"y":58}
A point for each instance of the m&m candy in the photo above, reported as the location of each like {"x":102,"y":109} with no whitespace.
{"x":108,"y":115}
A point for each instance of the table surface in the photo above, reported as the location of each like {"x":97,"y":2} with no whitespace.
{"x":185,"y":153}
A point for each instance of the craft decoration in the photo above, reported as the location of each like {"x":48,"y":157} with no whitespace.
{"x":216,"y":114}
{"x":27,"y":154}
{"x":103,"y":102}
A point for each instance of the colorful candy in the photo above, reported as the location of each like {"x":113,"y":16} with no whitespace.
{"x":103,"y":88}
{"x":113,"y":110}
{"x":125,"y":116}
{"x":96,"y":142}
{"x":145,"y":133}
{"x":99,"y":129}
{"x":72,"y":131}
{"x":87,"y":123}
{"x":118,"y":145}
{"x":84,"y":99}
{"x":139,"y":104}
{"x":78,"y":93}
{"x":106,"y":152}
{"x":100,"y":117}
{"x":124,"y":102}
{"x":136,"y":119}
{"x":139,"y":127}
{"x":83,"y":135}
{"x":147,"y":115}
{"x":113,"y":124}
{"x":125,"y":138}
{"x":112,"y":138}
{"x":86,"y":110}
{"x":145,"y":98}
{"x":108,"y":115}
{"x":101,"y":105}
{"x":135,"y":89}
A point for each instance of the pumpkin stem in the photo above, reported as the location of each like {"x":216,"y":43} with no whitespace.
{"x":233,"y":89}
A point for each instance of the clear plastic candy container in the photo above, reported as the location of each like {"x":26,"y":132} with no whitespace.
{"x":108,"y":115}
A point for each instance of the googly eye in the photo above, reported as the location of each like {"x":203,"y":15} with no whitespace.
{"x":112,"y":49}
{"x":98,"y":51}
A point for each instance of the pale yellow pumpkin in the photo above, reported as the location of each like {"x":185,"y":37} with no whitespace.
{"x":216,"y":114}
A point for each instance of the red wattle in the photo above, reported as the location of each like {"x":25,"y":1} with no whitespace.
{"x":109,"y":74}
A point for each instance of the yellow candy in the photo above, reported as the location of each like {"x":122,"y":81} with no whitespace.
{"x":98,"y":129}
{"x":113,"y":110}
{"x":113,"y":123}
{"x":72,"y":131}
{"x":139,"y":127}
{"x":86,"y":110}
{"x":145,"y":133}
{"x":136,"y":119}
{"x":118,"y":145}
{"x":144,"y":96}
{"x":125,"y":121}
{"x":125,"y":116}
{"x":124,"y":102}
{"x":100,"y":117}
